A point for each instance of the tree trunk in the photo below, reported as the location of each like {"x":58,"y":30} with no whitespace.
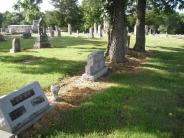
{"x":118,"y":35}
{"x":109,"y":42}
{"x":140,"y":26}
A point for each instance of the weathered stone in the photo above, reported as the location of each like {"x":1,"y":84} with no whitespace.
{"x":135,"y":29}
{"x":19,"y":28}
{"x":16,"y":47}
{"x":55,"y":90}
{"x":22,"y":108}
{"x":69,"y":29}
{"x":95,"y":67}
{"x":42,"y":41}
{"x":146,"y":29}
{"x":91,"y":34}
{"x":95,"y":29}
{"x":100,"y":31}
{"x":35,"y":26}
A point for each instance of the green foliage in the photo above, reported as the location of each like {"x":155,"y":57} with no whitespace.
{"x":52,"y":18}
{"x":29,"y":8}
{"x":92,"y":10}
{"x":69,"y":12}
{"x":147,"y":103}
{"x":11,"y":18}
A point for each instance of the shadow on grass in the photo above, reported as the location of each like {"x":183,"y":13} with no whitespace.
{"x":29,"y":64}
{"x":67,"y":42}
{"x":148,"y":103}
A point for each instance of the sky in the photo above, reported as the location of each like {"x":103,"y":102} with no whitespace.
{"x":7,"y":6}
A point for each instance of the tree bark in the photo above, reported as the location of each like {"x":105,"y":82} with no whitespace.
{"x":118,"y":35}
{"x":140,"y":26}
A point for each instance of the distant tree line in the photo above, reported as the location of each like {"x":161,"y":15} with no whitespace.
{"x":159,"y":15}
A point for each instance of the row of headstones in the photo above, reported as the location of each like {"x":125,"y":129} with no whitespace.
{"x":148,"y":30}
{"x":92,"y":31}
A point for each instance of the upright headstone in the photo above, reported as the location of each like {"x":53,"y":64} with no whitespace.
{"x":42,"y":40}
{"x":95,"y":67}
{"x":135,"y":29}
{"x":91,"y":34}
{"x":77,"y":33}
{"x":95,"y":29}
{"x":35,"y":26}
{"x":150,"y":31}
{"x":57,"y":32}
{"x":146,"y":29}
{"x":100,"y":31}
{"x":16,"y":47}
{"x":22,"y":108}
{"x":69,"y":29}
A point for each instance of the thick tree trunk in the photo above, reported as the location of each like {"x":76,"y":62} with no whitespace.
{"x":140,"y":26}
{"x":118,"y":35}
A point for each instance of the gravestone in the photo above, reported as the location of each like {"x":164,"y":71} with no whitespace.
{"x":100,"y":31}
{"x":16,"y":47}
{"x":91,"y":34}
{"x":35,"y":26}
{"x":57,"y":32}
{"x":42,"y":41}
{"x":22,"y":108}
{"x":69,"y":29}
{"x":135,"y":29}
{"x":146,"y":29}
{"x":51,"y":33}
{"x":2,"y":38}
{"x":95,"y":67}
{"x":95,"y":29}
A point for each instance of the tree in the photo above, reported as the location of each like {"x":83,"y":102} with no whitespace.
{"x":140,"y":26}
{"x":118,"y":35}
{"x":92,"y":10}
{"x":69,"y":12}
{"x":1,"y":19}
{"x":30,"y":9}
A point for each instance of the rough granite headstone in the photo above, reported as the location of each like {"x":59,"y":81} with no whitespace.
{"x":16,"y":47}
{"x":22,"y":108}
{"x":42,"y":41}
{"x":95,"y":67}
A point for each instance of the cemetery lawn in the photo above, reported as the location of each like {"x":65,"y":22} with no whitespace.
{"x":47,"y":66}
{"x":148,"y":103}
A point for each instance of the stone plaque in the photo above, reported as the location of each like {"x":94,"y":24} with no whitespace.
{"x":22,"y":108}
{"x":95,"y":67}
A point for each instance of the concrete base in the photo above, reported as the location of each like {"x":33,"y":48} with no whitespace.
{"x":96,"y":76}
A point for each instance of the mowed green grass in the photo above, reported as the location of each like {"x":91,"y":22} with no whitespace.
{"x":47,"y":66}
{"x":144,"y":104}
